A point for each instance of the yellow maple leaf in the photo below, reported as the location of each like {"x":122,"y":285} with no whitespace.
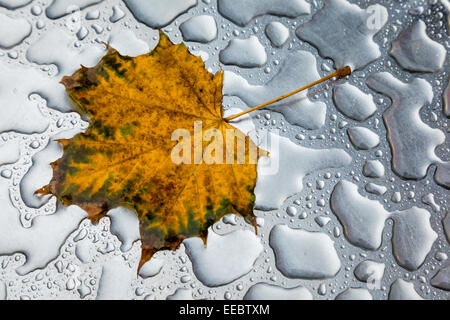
{"x":131,"y":152}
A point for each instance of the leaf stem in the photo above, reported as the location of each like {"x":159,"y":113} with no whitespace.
{"x":345,"y":71}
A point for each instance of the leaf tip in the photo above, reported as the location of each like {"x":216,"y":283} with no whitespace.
{"x":69,"y":82}
{"x":43,"y":191}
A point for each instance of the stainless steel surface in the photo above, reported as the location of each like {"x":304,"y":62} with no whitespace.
{"x":71,"y":261}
